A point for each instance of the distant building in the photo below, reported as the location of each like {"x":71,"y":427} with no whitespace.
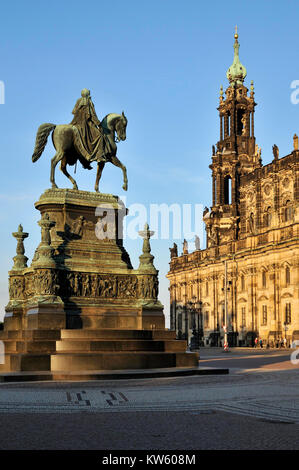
{"x":252,"y":231}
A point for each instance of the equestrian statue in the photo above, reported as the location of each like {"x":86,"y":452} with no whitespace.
{"x":85,"y":139}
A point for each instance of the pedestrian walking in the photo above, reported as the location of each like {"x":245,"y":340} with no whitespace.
{"x":261,"y":343}
{"x":255,"y":342}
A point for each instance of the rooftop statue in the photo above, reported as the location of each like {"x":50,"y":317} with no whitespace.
{"x":275,"y":150}
{"x":85,"y":139}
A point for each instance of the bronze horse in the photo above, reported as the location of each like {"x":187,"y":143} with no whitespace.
{"x":69,"y":148}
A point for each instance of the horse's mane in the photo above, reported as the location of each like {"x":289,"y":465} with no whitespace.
{"x":109,"y":117}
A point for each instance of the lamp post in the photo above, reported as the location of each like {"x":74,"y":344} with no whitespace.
{"x":194,"y":308}
{"x":225,"y":326}
{"x":285,"y":332}
{"x":199,"y":323}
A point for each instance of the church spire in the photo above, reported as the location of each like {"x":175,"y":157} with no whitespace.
{"x":237,"y":72}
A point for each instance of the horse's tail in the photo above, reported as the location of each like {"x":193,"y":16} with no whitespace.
{"x":41,"y":139}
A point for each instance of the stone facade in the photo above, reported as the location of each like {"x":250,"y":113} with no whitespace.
{"x":248,"y":276}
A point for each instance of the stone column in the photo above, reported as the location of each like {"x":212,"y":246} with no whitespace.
{"x":214,"y":188}
{"x":233,"y":187}
{"x":225,"y":125}
{"x":219,"y":190}
{"x":221,"y":127}
{"x":252,"y":124}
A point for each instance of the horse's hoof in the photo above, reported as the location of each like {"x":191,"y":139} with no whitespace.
{"x":54,"y":186}
{"x":75,"y":187}
{"x":125,"y":187}
{"x":96,"y":189}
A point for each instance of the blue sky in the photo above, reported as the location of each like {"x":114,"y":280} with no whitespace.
{"x":162,"y":62}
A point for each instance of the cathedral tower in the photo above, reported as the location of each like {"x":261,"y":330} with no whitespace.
{"x":236,"y":155}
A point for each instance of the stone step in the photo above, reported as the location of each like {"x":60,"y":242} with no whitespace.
{"x":119,"y":345}
{"x":121,"y":360}
{"x":42,"y":334}
{"x":40,"y":346}
{"x":69,"y":362}
{"x":13,"y":346}
{"x":29,"y":362}
{"x":118,"y":334}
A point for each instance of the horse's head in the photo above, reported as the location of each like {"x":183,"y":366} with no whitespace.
{"x":121,"y":126}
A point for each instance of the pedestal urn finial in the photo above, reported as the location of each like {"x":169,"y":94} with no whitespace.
{"x":20,"y":260}
{"x":146,"y":259}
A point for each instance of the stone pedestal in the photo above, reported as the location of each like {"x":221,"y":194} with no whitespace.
{"x":69,"y":309}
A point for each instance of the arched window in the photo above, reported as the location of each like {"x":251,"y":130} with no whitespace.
{"x":267,"y":217}
{"x":180,"y":321}
{"x":227,"y":190}
{"x":240,"y":121}
{"x":288,"y":212}
{"x":264,"y":319}
{"x":288,"y":275}
{"x":243,"y":316}
{"x":264,"y":279}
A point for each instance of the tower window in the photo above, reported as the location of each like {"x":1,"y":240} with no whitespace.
{"x":240,"y":121}
{"x":227,"y":190}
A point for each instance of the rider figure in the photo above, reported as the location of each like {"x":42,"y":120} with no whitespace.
{"x":90,"y":128}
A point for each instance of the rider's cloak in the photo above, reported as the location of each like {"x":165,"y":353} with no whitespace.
{"x":90,"y":129}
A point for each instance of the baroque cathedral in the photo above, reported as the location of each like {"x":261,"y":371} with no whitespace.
{"x":246,"y":281}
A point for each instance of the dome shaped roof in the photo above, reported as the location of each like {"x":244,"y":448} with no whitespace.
{"x":236,"y":72}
